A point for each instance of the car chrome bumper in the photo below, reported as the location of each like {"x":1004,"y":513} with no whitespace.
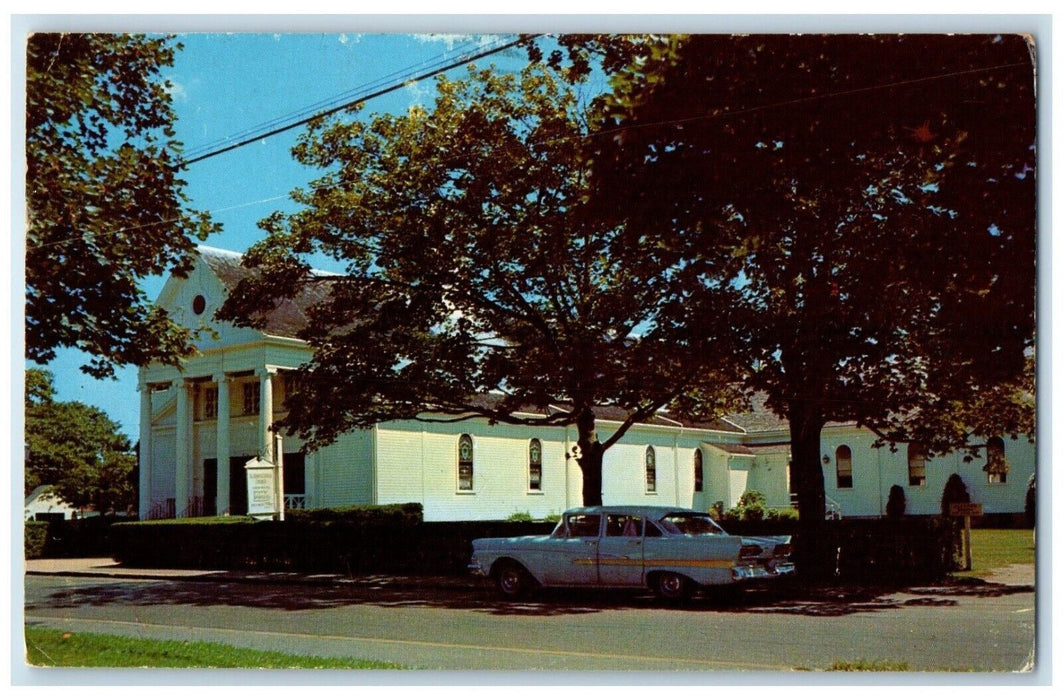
{"x":750,"y":572}
{"x":475,"y":569}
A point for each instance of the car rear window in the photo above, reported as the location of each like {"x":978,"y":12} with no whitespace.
{"x":691,"y":524}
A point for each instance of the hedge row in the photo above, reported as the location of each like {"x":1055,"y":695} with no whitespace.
{"x":909,"y":550}
{"x":359,"y":540}
{"x":87,"y":537}
{"x":395,"y":540}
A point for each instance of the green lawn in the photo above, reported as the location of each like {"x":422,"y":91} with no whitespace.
{"x":46,"y":647}
{"x":998,"y":549}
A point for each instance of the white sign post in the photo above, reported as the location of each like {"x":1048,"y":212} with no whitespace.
{"x":265,"y":485}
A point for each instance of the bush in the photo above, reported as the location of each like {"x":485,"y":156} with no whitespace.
{"x":35,"y":538}
{"x":896,"y":504}
{"x":359,"y":540}
{"x":955,"y":492}
{"x":872,"y":552}
{"x":751,"y":506}
{"x":521,"y":517}
{"x":86,"y":537}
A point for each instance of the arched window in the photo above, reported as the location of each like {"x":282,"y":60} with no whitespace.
{"x":535,"y":465}
{"x":651,"y":470}
{"x":465,"y":463}
{"x":843,"y":459}
{"x":996,"y":465}
{"x":916,"y":464}
{"x":699,"y":471}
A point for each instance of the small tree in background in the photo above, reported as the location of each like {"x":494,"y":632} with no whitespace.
{"x":955,"y":492}
{"x":896,"y":504}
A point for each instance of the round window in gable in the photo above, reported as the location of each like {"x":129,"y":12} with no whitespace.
{"x":199,"y":304}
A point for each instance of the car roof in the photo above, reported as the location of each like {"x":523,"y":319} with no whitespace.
{"x":644,"y":510}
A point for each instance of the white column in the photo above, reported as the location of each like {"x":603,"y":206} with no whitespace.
{"x":144,"y":486}
{"x":183,"y":449}
{"x":265,"y":412}
{"x":223,"y":444}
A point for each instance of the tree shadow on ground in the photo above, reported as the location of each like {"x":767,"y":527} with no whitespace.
{"x":831,"y":600}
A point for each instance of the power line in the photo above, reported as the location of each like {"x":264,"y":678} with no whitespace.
{"x":402,"y":75}
{"x":351,"y":103}
{"x":604,"y":133}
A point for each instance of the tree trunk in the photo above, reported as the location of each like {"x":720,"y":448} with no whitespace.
{"x":590,"y":458}
{"x":806,"y":474}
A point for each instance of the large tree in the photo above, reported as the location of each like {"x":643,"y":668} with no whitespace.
{"x":104,"y":201}
{"x":474,"y":284}
{"x":76,"y":449}
{"x":868,"y":200}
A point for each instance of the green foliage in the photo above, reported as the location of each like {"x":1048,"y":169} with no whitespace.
{"x":36,"y":536}
{"x":361,"y":540}
{"x":896,"y":504}
{"x":877,"y":552}
{"x":752,"y":505}
{"x":476,"y":283}
{"x":77,"y":450}
{"x":955,"y":491}
{"x":56,"y":648}
{"x":520,"y":517}
{"x":85,"y":537}
{"x":104,"y":203}
{"x":922,"y":192}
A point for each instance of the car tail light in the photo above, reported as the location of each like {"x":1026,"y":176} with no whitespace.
{"x":749,"y":550}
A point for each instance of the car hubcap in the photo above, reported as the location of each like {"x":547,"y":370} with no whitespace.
{"x":510,"y":581}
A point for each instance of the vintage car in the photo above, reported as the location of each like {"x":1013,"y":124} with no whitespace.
{"x":672,"y":551}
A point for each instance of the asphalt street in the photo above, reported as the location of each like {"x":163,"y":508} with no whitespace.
{"x":461,"y":626}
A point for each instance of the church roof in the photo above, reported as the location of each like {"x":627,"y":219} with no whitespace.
{"x":290,"y":315}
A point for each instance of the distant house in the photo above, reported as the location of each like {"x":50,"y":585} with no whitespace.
{"x":42,"y":504}
{"x":202,"y":422}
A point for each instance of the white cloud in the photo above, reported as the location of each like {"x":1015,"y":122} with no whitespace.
{"x":177,"y":91}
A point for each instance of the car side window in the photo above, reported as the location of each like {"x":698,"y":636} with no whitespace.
{"x":582,"y":525}
{"x":623,"y":525}
{"x":652,"y":530}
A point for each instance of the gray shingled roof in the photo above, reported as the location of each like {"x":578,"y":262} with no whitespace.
{"x":290,"y":316}
{"x":759,"y":418}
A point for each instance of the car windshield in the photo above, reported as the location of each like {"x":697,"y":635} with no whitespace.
{"x":690,"y":524}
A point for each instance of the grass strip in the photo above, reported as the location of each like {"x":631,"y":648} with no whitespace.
{"x":55,"y":648}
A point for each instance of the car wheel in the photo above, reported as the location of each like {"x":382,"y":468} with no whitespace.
{"x":512,"y":580}
{"x":671,"y":586}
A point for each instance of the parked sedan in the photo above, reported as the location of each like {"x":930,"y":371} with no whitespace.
{"x":672,"y":551}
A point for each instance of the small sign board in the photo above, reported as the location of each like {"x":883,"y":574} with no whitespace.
{"x":261,"y":487}
{"x":965,"y":510}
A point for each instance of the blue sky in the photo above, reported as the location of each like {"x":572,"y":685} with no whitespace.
{"x":226,"y":84}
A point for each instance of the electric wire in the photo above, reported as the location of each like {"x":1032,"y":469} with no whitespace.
{"x":351,"y":103}
{"x":584,"y":136}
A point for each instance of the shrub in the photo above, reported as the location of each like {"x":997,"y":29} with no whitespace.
{"x":955,"y":492}
{"x":896,"y":504}
{"x":35,"y":539}
{"x":520,"y":517}
{"x":751,"y":506}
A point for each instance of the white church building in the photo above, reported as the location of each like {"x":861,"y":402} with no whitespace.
{"x":200,"y":423}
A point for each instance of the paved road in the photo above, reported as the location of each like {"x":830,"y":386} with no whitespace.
{"x":985,"y":628}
